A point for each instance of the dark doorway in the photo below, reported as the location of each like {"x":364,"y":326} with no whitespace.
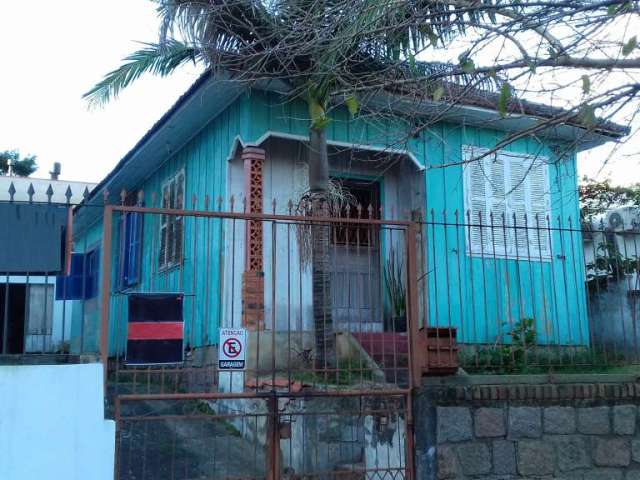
{"x":12,"y":317}
{"x":355,"y":251}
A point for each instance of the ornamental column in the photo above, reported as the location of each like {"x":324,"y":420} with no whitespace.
{"x":253,"y":276}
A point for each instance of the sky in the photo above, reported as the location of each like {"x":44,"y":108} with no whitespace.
{"x":53,"y":52}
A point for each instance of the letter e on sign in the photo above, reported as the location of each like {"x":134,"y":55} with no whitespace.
{"x":232,"y":348}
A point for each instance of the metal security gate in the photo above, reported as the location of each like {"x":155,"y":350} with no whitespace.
{"x":286,"y":414}
{"x":247,"y":437}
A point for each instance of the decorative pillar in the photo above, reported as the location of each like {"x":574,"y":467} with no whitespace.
{"x":253,"y":276}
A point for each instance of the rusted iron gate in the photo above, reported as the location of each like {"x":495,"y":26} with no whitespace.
{"x":285,"y":415}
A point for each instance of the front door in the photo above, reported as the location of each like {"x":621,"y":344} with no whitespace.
{"x":355,"y":262}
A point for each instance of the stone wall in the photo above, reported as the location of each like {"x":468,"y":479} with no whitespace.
{"x":510,"y":430}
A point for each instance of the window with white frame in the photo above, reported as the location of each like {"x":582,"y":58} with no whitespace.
{"x":172,"y":226}
{"x":507,"y":204}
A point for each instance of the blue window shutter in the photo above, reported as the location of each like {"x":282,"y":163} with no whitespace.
{"x":72,"y":286}
{"x":131,"y":245}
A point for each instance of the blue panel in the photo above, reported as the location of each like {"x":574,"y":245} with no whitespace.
{"x":82,"y":281}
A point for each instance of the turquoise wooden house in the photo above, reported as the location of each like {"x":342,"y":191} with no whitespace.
{"x":489,"y":251}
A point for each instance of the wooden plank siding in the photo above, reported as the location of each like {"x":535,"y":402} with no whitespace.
{"x":485,"y":302}
{"x":204,"y":160}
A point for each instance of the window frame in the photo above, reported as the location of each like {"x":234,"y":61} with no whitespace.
{"x":168,"y":223}
{"x":512,"y":251}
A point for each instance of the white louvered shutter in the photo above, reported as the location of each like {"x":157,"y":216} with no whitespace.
{"x":503,"y":192}
{"x":497,"y":205}
{"x":475,"y":202}
{"x":517,"y":204}
{"x":540,"y":206}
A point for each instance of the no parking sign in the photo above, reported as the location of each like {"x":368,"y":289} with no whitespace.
{"x":232,"y":348}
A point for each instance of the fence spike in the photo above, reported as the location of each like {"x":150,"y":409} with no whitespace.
{"x":359,"y":209}
{"x":31,"y":192}
{"x":244,"y":204}
{"x":123,"y":196}
{"x":12,"y":191}
{"x":206,"y":202}
{"x":49,"y":193}
{"x":154,"y":198}
{"x":232,"y":202}
{"x":68,"y":194}
{"x":105,"y":196}
{"x":273,"y":202}
{"x":194,"y":200}
{"x":219,"y":202}
{"x":85,"y":194}
{"x":140,"y":198}
{"x":290,"y":206}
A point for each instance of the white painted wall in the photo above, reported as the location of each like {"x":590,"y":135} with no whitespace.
{"x":52,"y":423}
{"x":40,"y":186}
{"x":285,"y":174}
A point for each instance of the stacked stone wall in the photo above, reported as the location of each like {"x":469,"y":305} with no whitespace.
{"x":581,"y":431}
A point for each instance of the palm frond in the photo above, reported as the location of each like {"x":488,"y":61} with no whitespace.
{"x":158,"y":59}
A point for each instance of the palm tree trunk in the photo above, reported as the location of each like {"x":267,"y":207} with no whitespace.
{"x":320,"y":238}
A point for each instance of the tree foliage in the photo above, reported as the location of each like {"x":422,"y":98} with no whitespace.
{"x":597,"y":197}
{"x":20,"y":166}
{"x":359,"y":52}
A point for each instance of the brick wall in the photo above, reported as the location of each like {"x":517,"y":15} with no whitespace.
{"x":585,"y":430}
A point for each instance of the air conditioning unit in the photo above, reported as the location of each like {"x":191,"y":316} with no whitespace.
{"x":624,"y":219}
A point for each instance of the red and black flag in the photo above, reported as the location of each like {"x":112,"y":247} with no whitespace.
{"x":156,"y":328}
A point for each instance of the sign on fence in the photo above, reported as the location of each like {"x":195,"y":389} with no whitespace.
{"x":232,"y":348}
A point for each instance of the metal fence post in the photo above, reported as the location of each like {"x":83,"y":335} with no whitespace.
{"x":105,"y":291}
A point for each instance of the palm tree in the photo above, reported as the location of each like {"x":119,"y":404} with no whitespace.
{"x":327,"y":51}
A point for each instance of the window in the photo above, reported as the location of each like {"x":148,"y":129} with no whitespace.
{"x":130,"y":249}
{"x":172,"y":226}
{"x":82,"y":281}
{"x":40,"y":309}
{"x":507,"y":200}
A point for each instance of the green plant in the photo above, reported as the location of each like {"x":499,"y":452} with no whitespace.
{"x":20,"y":166}
{"x":523,"y":339}
{"x":394,"y":282}
{"x":609,"y":258}
{"x":511,"y":353}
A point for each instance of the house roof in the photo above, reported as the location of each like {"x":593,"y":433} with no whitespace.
{"x":210,"y":94}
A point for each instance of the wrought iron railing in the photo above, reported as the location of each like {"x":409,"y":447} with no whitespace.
{"x":531,"y":293}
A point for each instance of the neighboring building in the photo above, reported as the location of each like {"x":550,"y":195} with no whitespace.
{"x":612,"y":256}
{"x":34,"y":318}
{"x":475,"y":277}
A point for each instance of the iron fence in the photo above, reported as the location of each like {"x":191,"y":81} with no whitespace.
{"x":354,"y":337}
{"x":41,"y":319}
{"x":248,"y":437}
{"x":528,"y":294}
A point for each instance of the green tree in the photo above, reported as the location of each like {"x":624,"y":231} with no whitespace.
{"x":363,"y":55}
{"x":320,"y":49}
{"x":597,"y":197}
{"x":20,"y":166}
